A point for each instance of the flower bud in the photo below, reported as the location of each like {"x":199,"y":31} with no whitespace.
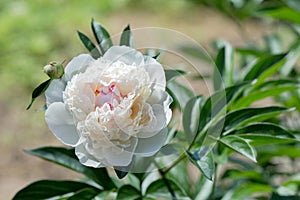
{"x":54,"y":70}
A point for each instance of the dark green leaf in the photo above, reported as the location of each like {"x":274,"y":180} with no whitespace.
{"x":102,"y":36}
{"x":68,"y":159}
{"x":158,"y":188}
{"x":263,"y":139}
{"x":239,"y":145}
{"x":261,"y":65}
{"x":128,"y":192}
{"x":263,"y":128}
{"x":39,"y":91}
{"x":121,"y":174}
{"x":126,"y":37}
{"x":49,"y":189}
{"x":89,"y":45}
{"x":85,"y":194}
{"x":173,"y":73}
{"x":204,"y":162}
{"x":181,"y":94}
{"x":224,"y":67}
{"x":191,"y":116}
{"x":285,"y":197}
{"x":245,"y":116}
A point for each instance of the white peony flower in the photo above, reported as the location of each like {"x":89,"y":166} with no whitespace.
{"x":111,"y":108}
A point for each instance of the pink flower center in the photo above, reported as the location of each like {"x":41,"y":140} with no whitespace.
{"x":109,"y":95}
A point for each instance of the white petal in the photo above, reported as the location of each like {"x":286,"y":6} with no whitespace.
{"x":156,"y":73}
{"x":61,"y":124}
{"x":76,"y":65}
{"x":149,"y":146}
{"x":85,"y":158}
{"x":124,"y":54}
{"x":54,"y":92}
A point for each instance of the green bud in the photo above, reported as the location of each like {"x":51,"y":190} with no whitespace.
{"x":54,"y":70}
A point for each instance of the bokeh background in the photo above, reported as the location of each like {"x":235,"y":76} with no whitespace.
{"x":35,"y":32}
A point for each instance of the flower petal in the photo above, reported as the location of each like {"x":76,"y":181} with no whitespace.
{"x":76,"y":65}
{"x":124,"y":54}
{"x":85,"y":158}
{"x":156,"y":73}
{"x":149,"y":146}
{"x":61,"y":123}
{"x":54,"y":92}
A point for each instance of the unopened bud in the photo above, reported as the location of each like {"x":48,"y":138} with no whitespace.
{"x":54,"y":70}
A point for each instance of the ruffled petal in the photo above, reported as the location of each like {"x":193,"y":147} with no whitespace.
{"x":54,"y":92}
{"x":124,"y":54}
{"x":85,"y":158}
{"x":77,"y":65}
{"x":156,"y":73}
{"x":149,"y":146}
{"x":61,"y":123}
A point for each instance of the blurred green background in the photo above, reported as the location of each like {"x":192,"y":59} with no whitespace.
{"x":35,"y":32}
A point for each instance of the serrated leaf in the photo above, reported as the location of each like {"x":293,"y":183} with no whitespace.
{"x":39,"y":91}
{"x":261,"y":65}
{"x":67,"y":158}
{"x":191,"y":116}
{"x":181,"y":94}
{"x":102,"y":36}
{"x":204,"y":162}
{"x":89,"y":45}
{"x":126,"y":37}
{"x":128,"y":192}
{"x":239,"y":145}
{"x":47,"y":189}
{"x":173,"y":73}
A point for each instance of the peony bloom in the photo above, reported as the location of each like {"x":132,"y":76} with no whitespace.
{"x":111,"y":108}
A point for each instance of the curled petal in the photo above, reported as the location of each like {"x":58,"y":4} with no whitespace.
{"x":77,"y":65}
{"x":61,"y":123}
{"x":54,"y":92}
{"x":87,"y":159}
{"x":156,"y":73}
{"x":124,"y":54}
{"x":149,"y":146}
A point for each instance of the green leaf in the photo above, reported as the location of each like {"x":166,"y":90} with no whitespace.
{"x":191,"y":116}
{"x":263,"y":139}
{"x":204,"y":162}
{"x":126,"y":37}
{"x":224,"y":67}
{"x":245,"y":116}
{"x":282,"y":13}
{"x":173,"y":73}
{"x":67,"y":158}
{"x":39,"y":91}
{"x":246,"y":190}
{"x":261,"y":65}
{"x":85,"y":194}
{"x":181,"y":94}
{"x":294,"y":4}
{"x":120,"y":174}
{"x":263,"y":128}
{"x":49,"y":189}
{"x":239,"y":145}
{"x":128,"y":192}
{"x":89,"y":45}
{"x":102,"y":36}
{"x":158,"y":188}
{"x":257,"y":95}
